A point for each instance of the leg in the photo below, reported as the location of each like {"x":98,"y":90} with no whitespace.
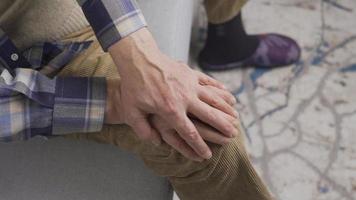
{"x":220,"y":11}
{"x":229,"y":46}
{"x":228,"y":175}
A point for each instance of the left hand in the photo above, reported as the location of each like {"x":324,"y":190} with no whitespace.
{"x":208,"y":133}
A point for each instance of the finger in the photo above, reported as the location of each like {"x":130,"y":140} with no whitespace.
{"x":173,"y":139}
{"x":224,"y":94}
{"x":215,"y":118}
{"x":207,"y":80}
{"x":210,"y":134}
{"x":217,"y":102}
{"x":189,"y":133}
{"x":145,"y":131}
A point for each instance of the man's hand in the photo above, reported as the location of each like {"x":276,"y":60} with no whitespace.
{"x":154,"y":84}
{"x":171,"y":137}
{"x":113,"y":115}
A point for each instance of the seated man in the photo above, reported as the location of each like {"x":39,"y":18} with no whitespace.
{"x":134,"y":84}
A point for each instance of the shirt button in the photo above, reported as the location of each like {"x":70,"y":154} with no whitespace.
{"x":14,"y":57}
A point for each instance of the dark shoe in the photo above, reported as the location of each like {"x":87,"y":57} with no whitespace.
{"x":274,"y":50}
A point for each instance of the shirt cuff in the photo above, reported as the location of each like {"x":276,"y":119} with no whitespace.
{"x":79,"y":105}
{"x":113,"y":20}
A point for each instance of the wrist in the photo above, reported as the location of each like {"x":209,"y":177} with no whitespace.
{"x":135,"y":49}
{"x":113,"y":103}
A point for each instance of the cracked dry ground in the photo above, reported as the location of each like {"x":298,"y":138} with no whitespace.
{"x":301,"y":120}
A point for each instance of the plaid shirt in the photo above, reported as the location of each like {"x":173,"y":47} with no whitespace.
{"x":33,"y":103}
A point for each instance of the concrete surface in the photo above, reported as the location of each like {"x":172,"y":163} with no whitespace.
{"x":301,"y":120}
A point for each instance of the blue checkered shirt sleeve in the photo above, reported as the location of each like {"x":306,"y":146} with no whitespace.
{"x":33,"y":104}
{"x":112,"y":20}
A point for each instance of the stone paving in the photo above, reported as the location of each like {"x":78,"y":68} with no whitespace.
{"x":300,"y":121}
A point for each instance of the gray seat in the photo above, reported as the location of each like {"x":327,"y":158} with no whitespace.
{"x":60,"y":169}
{"x":65,"y":169}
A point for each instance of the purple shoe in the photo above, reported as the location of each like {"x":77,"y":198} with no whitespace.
{"x":274,"y":50}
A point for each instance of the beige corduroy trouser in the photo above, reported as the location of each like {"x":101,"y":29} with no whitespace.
{"x":228,"y":175}
{"x":220,"y":11}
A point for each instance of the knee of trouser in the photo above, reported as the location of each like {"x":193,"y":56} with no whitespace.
{"x":228,"y":175}
{"x":178,"y":168}
{"x":168,"y":162}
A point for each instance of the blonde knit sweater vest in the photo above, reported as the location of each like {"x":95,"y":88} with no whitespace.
{"x":30,"y":21}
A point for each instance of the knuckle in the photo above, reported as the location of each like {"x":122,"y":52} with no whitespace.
{"x":227,"y":94}
{"x":232,"y":121}
{"x":211,"y":115}
{"x":215,"y":102}
{"x":229,"y":97}
{"x":185,"y":97}
{"x":193,"y":136}
{"x":172,"y":111}
{"x":204,"y":79}
{"x":170,"y":108}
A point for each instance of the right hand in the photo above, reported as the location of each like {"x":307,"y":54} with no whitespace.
{"x":155,"y":85}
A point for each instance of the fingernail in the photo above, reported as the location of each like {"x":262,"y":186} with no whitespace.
{"x":236,"y":114}
{"x":233,"y":101}
{"x":226,"y":141}
{"x":233,"y":132}
{"x":208,"y":155}
{"x":236,"y":132}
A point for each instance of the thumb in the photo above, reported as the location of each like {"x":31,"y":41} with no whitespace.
{"x":144,"y":130}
